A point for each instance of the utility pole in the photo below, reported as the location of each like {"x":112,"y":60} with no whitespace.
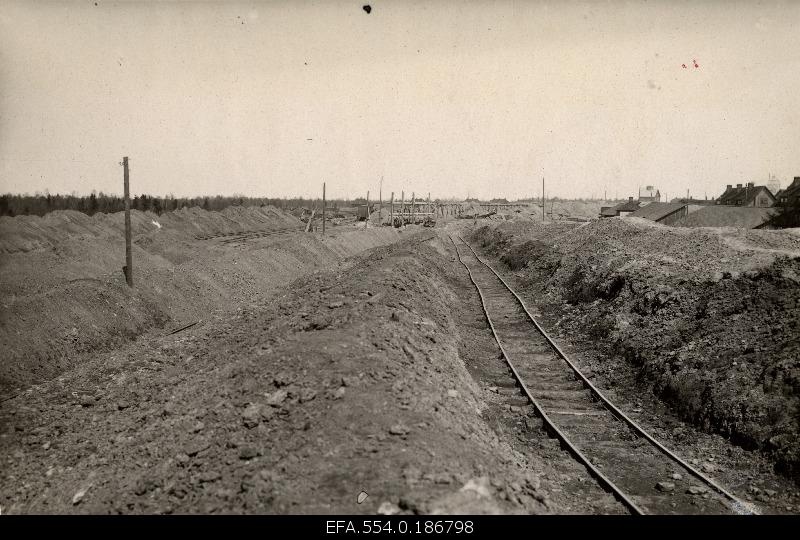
{"x":366,"y":221}
{"x":402,"y":208}
{"x":323,"y":209}
{"x":542,"y":199}
{"x":128,"y":254}
{"x":412,"y":208}
{"x":428,"y":209}
{"x":380,"y":201}
{"x":391,"y":211}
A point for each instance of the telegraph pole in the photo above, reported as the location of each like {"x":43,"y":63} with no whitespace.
{"x":391,"y":210}
{"x":366,"y":221}
{"x":128,"y":255}
{"x":402,"y":207}
{"x":323,"y":208}
{"x":542,"y":199}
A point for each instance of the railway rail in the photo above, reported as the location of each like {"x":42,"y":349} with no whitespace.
{"x":640,"y":472}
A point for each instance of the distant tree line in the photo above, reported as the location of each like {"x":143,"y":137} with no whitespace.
{"x":39,"y":205}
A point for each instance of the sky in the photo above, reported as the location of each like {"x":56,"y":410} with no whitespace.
{"x":455,"y":98}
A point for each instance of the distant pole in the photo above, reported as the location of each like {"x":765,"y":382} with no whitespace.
{"x":380,"y":201}
{"x":323,"y":208}
{"x":366,"y":221}
{"x":542,"y":199}
{"x":391,"y":210}
{"x":128,"y":255}
{"x":402,"y":208}
{"x":412,"y":208}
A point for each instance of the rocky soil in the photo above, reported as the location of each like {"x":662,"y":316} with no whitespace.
{"x":347,"y":380}
{"x":330,"y":367}
{"x":63,"y":293}
{"x":708,"y":320}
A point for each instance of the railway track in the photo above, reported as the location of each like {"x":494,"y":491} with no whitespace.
{"x":623,"y":458}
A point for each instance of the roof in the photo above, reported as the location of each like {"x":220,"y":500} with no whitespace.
{"x":743,"y":217}
{"x":791,"y":191}
{"x":657,"y":210}
{"x":742,"y":195}
{"x":627,"y":206}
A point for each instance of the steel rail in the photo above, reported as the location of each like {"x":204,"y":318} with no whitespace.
{"x":549,"y":425}
{"x":740,"y":506}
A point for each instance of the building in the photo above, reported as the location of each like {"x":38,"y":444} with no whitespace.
{"x":622,"y":209}
{"x":747,"y":217}
{"x":749,"y":195}
{"x":790,"y":196}
{"x":665,"y":213}
{"x":649,"y":195}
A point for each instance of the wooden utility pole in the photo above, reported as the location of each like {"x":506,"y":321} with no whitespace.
{"x":366,"y":221}
{"x":391,"y":210}
{"x":402,"y":208}
{"x":128,"y":254}
{"x":542,"y":199}
{"x":323,"y":209}
{"x":412,"y":208}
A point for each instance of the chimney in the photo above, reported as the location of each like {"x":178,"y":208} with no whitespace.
{"x":751,"y":184}
{"x":738,"y":186}
{"x":630,"y":198}
{"x":730,"y":186}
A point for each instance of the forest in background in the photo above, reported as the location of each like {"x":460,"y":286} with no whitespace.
{"x":41,"y":204}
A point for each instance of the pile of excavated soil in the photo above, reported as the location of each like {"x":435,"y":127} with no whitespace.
{"x":62,"y":290}
{"x":349,"y":380}
{"x":710,"y":318}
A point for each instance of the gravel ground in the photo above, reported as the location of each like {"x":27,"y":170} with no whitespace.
{"x":191,"y":263}
{"x":707,"y":320}
{"x":347,"y":380}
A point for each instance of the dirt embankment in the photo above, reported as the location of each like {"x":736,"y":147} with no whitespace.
{"x":349,"y":380}
{"x":710,"y":318}
{"x":63,"y":293}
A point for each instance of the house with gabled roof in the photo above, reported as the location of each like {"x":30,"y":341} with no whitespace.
{"x":790,"y":195}
{"x":748,"y":195}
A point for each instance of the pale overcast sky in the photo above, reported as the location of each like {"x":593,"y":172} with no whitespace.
{"x":451,"y":97}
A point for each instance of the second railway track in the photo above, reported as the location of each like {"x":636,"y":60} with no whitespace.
{"x":641,"y":473}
